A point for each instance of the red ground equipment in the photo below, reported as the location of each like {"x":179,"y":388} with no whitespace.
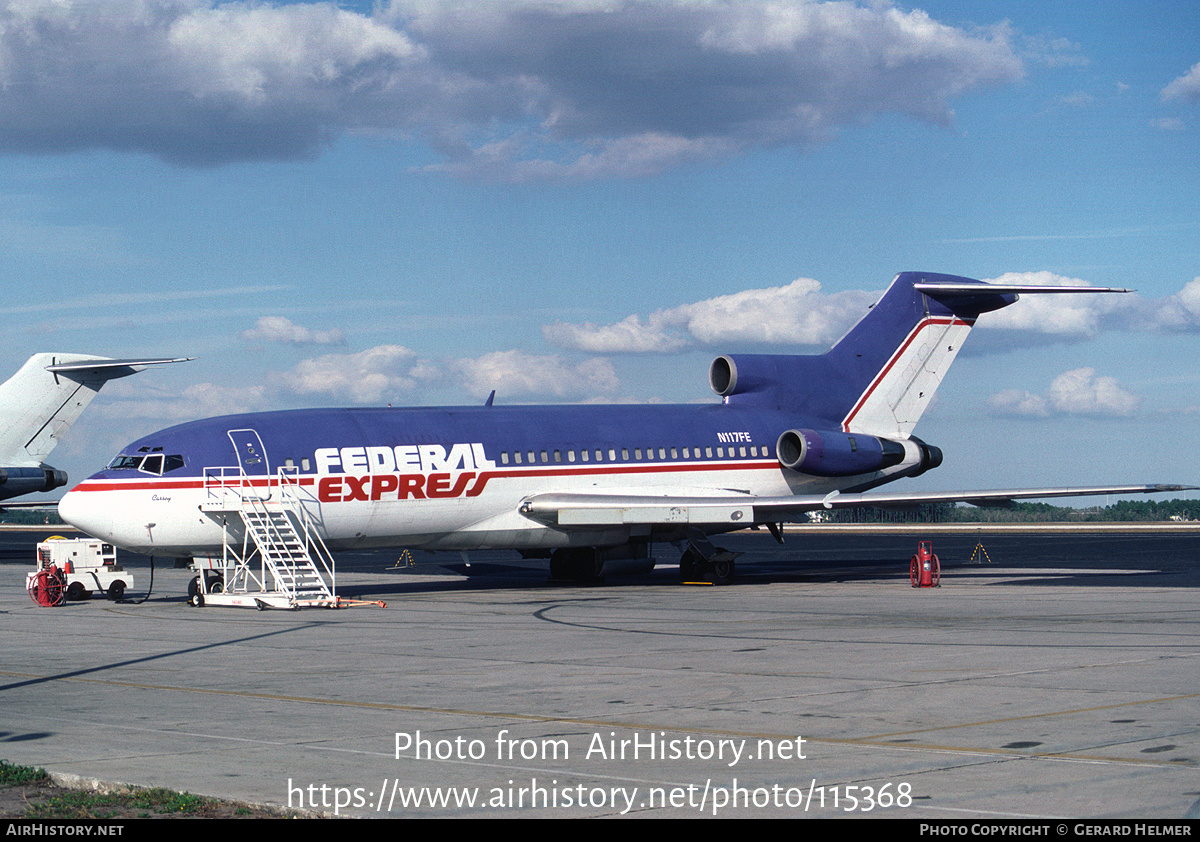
{"x":925,"y":570}
{"x":47,"y":587}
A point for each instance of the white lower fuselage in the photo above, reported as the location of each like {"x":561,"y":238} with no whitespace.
{"x":176,"y":522}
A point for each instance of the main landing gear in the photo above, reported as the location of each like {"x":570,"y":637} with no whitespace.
{"x":576,"y":564}
{"x":703,"y":562}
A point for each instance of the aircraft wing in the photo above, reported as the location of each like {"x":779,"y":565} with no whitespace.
{"x":601,"y":510}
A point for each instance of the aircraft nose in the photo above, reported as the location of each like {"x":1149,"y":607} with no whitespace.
{"x":83,"y":511}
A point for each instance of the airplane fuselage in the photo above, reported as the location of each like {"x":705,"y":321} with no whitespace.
{"x":441,"y":478}
{"x":792,"y":434}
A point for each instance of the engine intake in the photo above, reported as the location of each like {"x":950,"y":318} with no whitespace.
{"x":746,"y":373}
{"x":722,"y":376}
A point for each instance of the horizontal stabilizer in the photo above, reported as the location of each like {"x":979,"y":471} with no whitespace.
{"x":105,"y":369}
{"x":978,"y":288}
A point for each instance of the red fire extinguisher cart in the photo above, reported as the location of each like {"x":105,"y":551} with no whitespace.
{"x":925,"y":570}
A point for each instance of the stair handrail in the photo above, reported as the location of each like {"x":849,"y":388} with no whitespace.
{"x":290,"y":495}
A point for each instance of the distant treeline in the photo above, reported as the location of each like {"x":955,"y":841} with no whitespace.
{"x":1121,"y":511}
{"x":46,"y":517}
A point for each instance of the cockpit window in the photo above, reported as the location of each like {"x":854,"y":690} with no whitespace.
{"x":125,"y":463}
{"x":155,"y":463}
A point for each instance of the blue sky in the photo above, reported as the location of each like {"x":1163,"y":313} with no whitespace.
{"x":419,"y":202}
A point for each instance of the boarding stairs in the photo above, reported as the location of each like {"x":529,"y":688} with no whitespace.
{"x":276,"y":559}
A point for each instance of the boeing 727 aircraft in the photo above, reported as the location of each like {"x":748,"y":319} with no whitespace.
{"x":39,"y":404}
{"x":580,"y":484}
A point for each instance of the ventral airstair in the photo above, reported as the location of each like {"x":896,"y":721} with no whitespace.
{"x":273,"y":557}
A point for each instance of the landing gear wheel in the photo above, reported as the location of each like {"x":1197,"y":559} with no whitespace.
{"x":193,"y":589}
{"x":116,"y":590}
{"x":585,"y":564}
{"x":721,"y":568}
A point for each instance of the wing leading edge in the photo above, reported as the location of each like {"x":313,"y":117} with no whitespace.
{"x":585,"y":511}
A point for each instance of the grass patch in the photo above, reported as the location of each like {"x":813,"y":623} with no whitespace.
{"x":13,"y":775}
{"x":140,"y":803}
{"x":29,"y":793}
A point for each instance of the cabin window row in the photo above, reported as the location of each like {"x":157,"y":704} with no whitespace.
{"x":635,"y":454}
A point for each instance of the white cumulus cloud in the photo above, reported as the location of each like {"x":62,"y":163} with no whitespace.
{"x":194,"y":82}
{"x":1015,"y":403}
{"x":1186,"y":87}
{"x":1065,"y":315}
{"x":508,"y":89}
{"x":629,"y":336}
{"x":1077,"y":392}
{"x":515,"y":374}
{"x":1181,"y":311}
{"x":798,"y":314}
{"x":382,"y":374}
{"x":144,"y":401}
{"x":1081,"y":392}
{"x":368,"y":377}
{"x":280,"y":329}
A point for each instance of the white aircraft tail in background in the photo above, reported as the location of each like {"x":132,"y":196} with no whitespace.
{"x":39,"y":404}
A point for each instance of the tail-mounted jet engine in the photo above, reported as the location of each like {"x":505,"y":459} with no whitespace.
{"x":837,"y":454}
{"x":16,"y":481}
{"x":834,"y":454}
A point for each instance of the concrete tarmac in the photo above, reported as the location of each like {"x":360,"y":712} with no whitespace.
{"x":1051,"y":676}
